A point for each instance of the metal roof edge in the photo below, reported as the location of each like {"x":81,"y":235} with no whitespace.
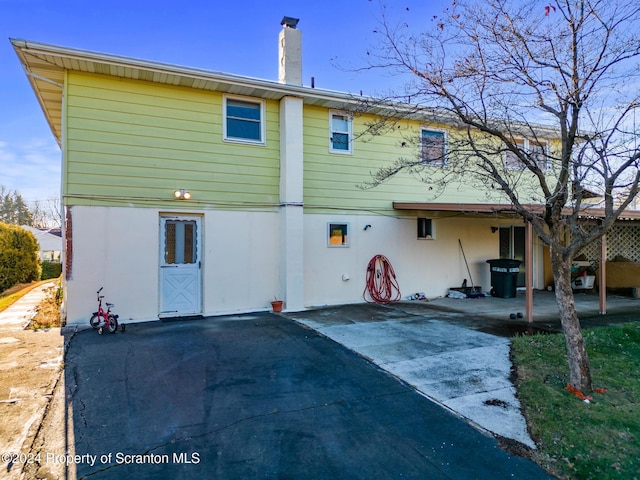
{"x":35,"y":48}
{"x":495,"y":208}
{"x":329,"y":98}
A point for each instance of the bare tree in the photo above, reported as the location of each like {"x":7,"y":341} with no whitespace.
{"x":47,"y":213}
{"x":544,"y":98}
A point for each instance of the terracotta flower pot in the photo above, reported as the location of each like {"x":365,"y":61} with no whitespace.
{"x":277,"y":305}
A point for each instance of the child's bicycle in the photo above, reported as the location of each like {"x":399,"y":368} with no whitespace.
{"x":104,"y":319}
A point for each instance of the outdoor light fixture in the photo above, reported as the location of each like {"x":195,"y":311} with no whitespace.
{"x":182,"y":194}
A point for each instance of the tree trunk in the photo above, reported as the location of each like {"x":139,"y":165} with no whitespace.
{"x":579,"y":370}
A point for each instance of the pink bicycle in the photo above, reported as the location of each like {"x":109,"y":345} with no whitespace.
{"x":104,"y":319}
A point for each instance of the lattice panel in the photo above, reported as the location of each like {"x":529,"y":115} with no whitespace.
{"x":623,"y":240}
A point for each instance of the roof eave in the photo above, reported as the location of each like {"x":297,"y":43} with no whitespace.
{"x":503,"y":208}
{"x":59,"y":59}
{"x":53,"y":60}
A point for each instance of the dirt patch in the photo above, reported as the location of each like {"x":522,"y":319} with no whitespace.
{"x":53,"y":440}
{"x":48,"y":312}
{"x":516,"y":448}
{"x":30,"y":366}
{"x":495,"y":402}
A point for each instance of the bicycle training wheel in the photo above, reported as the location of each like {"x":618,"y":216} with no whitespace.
{"x":113,"y":324}
{"x":95,"y":320}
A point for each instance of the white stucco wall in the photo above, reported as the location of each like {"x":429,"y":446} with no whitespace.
{"x":114,"y":248}
{"x":429,"y":266}
{"x":241,"y":264}
{"x":118,"y":248}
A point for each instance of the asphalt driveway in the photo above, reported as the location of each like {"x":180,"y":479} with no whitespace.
{"x":257,"y":396}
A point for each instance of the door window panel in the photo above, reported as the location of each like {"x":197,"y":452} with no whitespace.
{"x":180,"y":242}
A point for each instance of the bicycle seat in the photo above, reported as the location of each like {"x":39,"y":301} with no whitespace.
{"x":109,"y":305}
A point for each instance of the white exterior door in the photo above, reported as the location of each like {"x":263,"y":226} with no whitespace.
{"x":180,"y":266}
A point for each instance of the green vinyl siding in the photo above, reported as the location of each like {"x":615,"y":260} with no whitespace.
{"x":130,"y":139}
{"x":135,"y":142}
{"x":331,"y":180}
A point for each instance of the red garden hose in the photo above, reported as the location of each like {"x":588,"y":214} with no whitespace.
{"x":381,"y":283}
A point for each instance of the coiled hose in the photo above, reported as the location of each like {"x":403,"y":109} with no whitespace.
{"x":381,"y":283}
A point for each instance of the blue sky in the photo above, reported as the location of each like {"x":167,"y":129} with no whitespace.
{"x":238,"y":37}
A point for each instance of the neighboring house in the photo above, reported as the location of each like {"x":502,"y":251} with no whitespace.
{"x":50,"y":244}
{"x":192,"y":192}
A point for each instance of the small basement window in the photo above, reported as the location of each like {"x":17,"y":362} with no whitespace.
{"x":338,"y":235}
{"x":426,"y":229}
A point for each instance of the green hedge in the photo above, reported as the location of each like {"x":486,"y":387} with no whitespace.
{"x":19,"y":262}
{"x":50,"y":270}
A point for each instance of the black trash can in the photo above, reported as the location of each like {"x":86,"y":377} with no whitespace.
{"x":504,"y":277}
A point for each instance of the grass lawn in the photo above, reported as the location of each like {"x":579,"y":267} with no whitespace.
{"x":578,"y":440}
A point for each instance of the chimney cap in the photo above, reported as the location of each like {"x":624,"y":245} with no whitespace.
{"x":289,"y":22}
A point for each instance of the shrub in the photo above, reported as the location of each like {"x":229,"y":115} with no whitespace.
{"x":19,"y":262}
{"x":50,"y":270}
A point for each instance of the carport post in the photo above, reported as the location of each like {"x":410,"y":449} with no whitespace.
{"x":602,"y":275}
{"x":528,"y":262}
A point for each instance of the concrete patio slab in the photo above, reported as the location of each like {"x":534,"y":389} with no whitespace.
{"x":465,"y":370}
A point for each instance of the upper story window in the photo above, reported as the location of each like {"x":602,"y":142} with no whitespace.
{"x":538,"y":152}
{"x":341,"y":133}
{"x":433,"y":144}
{"x":511,"y":160}
{"x":243,"y":120}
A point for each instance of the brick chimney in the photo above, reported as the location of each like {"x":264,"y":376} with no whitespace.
{"x":290,"y":52}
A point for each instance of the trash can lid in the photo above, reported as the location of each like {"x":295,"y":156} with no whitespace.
{"x":504,"y":262}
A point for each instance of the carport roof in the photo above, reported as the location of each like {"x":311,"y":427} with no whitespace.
{"x":502,"y":208}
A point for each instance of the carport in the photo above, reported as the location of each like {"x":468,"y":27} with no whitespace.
{"x":630,"y":218}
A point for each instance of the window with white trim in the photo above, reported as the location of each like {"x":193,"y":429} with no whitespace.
{"x":511,"y":160}
{"x":433,"y":146}
{"x":341,"y":128}
{"x":538,"y":151}
{"x":243,"y":120}
{"x":51,"y":256}
{"x":337,"y":234}
{"x":540,"y":154}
